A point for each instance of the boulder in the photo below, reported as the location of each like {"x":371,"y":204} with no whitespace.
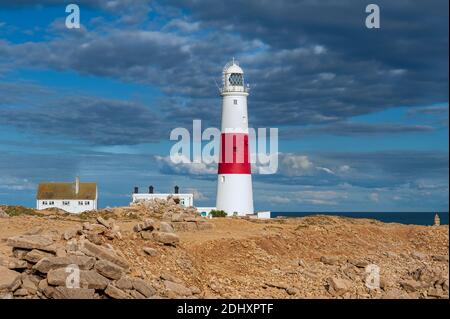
{"x":73,"y":293}
{"x":104,"y":222}
{"x":435,"y":292}
{"x":12,"y":263}
{"x":146,"y":235}
{"x":143,"y":288}
{"x":410,"y":285}
{"x":150,"y":251}
{"x":9,"y":279}
{"x":108,"y":269}
{"x":29,"y":285}
{"x":358,"y":263}
{"x":101,"y":252}
{"x":165,"y":227}
{"x":20,"y":253}
{"x":116,"y":293}
{"x":35,"y":255}
{"x":338,"y":286}
{"x":440,"y":258}
{"x":21,"y":292}
{"x":166,"y":238}
{"x":41,"y":242}
{"x":124,"y":283}
{"x":148,"y":224}
{"x":177,"y":288}
{"x":71,"y":233}
{"x":49,"y":263}
{"x":3,"y":214}
{"x":136,"y":295}
{"x":88,"y":279}
{"x":329,"y":260}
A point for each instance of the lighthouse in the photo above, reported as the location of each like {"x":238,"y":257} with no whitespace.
{"x":234,"y":185}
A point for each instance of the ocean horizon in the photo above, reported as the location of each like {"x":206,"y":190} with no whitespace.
{"x":407,"y":218}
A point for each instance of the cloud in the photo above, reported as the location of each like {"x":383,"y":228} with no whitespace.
{"x":303,"y":69}
{"x":374,"y":197}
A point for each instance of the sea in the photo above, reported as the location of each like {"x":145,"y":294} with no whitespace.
{"x":415,"y":218}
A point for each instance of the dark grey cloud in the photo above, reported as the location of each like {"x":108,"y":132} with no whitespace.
{"x":308,"y":62}
{"x":86,"y":118}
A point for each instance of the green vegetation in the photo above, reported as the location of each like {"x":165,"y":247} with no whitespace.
{"x":19,"y":210}
{"x":218,"y":213}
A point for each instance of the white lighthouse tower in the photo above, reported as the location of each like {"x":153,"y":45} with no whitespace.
{"x":234,"y":186}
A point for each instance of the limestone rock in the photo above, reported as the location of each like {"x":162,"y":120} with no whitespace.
{"x":29,"y":285}
{"x":9,"y":279}
{"x":116,"y":293}
{"x":338,"y":286}
{"x":410,"y":285}
{"x":177,"y":288}
{"x":21,"y":292}
{"x":143,"y":288}
{"x":124,"y":283}
{"x":35,"y":255}
{"x":88,"y":279}
{"x":42,"y":242}
{"x":358,"y":263}
{"x":418,"y":255}
{"x":166,"y":238}
{"x":329,"y":260}
{"x":104,"y":222}
{"x":12,"y":263}
{"x":165,"y":227}
{"x":150,"y":251}
{"x":100,"y":252}
{"x":440,"y":258}
{"x":73,"y":293}
{"x":108,"y":269}
{"x":49,"y":263}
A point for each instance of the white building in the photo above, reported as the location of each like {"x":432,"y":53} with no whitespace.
{"x":186,"y":199}
{"x":72,"y":197}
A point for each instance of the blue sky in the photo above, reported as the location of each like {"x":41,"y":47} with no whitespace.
{"x":362,"y":114}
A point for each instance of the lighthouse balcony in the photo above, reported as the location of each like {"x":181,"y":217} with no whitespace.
{"x":237,"y":88}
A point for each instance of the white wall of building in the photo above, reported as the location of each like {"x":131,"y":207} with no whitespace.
{"x":185,"y":199}
{"x":74,"y":206}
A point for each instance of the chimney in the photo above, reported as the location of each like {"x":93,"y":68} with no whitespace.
{"x":77,"y":185}
{"x":136,"y":190}
{"x":176,"y":189}
{"x":150,"y":189}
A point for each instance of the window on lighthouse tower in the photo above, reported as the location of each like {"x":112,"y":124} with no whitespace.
{"x":236,"y":79}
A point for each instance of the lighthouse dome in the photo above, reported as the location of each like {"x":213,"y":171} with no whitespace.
{"x":233,"y":78}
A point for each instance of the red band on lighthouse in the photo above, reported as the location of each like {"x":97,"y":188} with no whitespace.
{"x":234,"y":155}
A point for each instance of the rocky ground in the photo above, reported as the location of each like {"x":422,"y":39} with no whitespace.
{"x":162,"y":250}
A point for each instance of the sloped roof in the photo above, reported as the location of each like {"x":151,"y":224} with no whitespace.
{"x":66,"y":191}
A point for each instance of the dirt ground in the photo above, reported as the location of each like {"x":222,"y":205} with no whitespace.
{"x":279,"y":258}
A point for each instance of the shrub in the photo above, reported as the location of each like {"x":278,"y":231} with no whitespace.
{"x":218,"y":213}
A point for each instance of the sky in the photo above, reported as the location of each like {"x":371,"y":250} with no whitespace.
{"x":362,"y":114}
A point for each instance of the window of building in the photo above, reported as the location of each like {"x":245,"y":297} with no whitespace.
{"x":235,"y":102}
{"x":236,"y":79}
{"x":222,"y":178}
{"x":51,"y":203}
{"x":44,"y":202}
{"x":80,"y":202}
{"x":86,"y":202}
{"x":66,"y":203}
